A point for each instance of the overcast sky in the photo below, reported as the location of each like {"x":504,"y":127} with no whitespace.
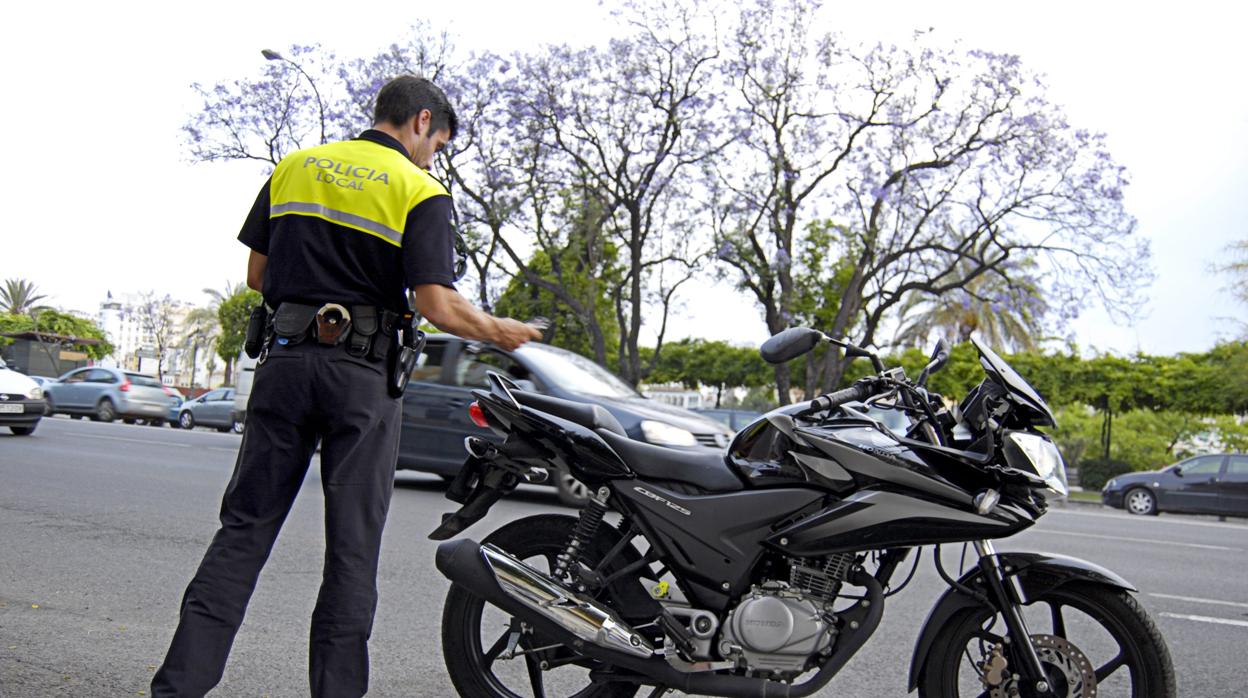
{"x":98,"y":195}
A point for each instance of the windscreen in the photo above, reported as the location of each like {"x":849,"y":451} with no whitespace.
{"x":1010,"y":379}
{"x":574,"y":372}
{"x":145,"y":381}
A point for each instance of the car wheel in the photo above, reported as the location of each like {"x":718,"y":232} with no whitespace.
{"x":236,"y":426}
{"x":1141,"y":502}
{"x":24,"y":431}
{"x":105,"y":411}
{"x":572,"y":492}
{"x":49,"y":409}
{"x":186,"y":420}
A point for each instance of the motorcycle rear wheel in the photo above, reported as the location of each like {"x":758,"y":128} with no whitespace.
{"x":1102,"y":628}
{"x":476,"y":654}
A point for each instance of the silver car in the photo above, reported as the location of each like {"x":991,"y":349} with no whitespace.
{"x":106,"y":394}
{"x":214,"y":408}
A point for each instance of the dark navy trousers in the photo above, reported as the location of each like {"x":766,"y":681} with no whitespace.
{"x":302,"y":394}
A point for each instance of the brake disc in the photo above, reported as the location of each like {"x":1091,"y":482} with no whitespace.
{"x":1060,"y":658}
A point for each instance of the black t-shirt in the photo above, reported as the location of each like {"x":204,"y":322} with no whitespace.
{"x":313,"y":260}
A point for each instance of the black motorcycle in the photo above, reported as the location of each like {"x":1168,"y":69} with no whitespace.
{"x":761,"y":571}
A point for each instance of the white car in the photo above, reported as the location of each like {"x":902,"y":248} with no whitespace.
{"x":21,"y":401}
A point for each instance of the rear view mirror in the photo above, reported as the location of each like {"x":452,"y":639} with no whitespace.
{"x":789,"y":344}
{"x":940,"y":357}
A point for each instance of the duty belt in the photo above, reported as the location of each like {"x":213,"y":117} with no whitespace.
{"x":358,"y":326}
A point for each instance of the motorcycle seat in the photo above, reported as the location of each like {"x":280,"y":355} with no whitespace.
{"x":706,"y":470}
{"x":587,"y":415}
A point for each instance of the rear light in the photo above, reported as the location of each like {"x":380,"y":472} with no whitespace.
{"x":478,"y":415}
{"x":124,"y":387}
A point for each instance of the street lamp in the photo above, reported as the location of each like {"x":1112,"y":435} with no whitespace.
{"x":271,"y":55}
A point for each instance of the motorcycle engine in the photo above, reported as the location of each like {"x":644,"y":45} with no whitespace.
{"x":776,"y":631}
{"x":779,"y":627}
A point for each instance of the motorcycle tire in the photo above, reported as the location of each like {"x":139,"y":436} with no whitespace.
{"x":536,"y":540}
{"x":1139,"y":667}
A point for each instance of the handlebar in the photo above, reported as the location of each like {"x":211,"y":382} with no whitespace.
{"x":858,"y":391}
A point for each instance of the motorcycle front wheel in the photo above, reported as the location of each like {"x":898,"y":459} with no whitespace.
{"x":1092,"y":641}
{"x":490,"y":654}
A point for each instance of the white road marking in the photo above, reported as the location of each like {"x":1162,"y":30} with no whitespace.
{"x":1123,"y":539}
{"x":1149,"y":520}
{"x":1193,"y":599}
{"x":1207,"y":619}
{"x":148,"y":442}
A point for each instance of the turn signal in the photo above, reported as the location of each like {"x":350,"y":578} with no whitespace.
{"x":478,"y":415}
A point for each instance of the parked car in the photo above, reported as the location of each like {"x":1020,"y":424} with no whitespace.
{"x":1216,"y":484}
{"x":106,"y":394}
{"x":735,"y":420}
{"x":435,"y":405}
{"x":214,"y":408}
{"x":21,"y":401}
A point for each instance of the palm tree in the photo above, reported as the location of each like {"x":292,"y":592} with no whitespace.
{"x":19,"y":297}
{"x":199,"y":331}
{"x":220,"y":296}
{"x":1001,"y":313}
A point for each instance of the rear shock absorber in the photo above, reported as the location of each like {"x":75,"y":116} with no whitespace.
{"x":584,"y":531}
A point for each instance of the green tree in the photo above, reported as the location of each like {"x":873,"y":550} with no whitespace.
{"x":20,"y":297}
{"x":712,"y":363}
{"x":57,"y":329}
{"x":232,"y":314}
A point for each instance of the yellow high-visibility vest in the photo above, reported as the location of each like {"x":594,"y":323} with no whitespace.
{"x":357,"y":184}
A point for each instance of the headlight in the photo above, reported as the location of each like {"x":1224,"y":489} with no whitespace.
{"x":663,"y":434}
{"x":1111,"y":484}
{"x":1045,"y":459}
{"x":35,"y":393}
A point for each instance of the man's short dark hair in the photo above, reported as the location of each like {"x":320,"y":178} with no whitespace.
{"x":406,"y":96}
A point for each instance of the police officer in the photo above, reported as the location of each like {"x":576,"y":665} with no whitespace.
{"x":337,"y":236}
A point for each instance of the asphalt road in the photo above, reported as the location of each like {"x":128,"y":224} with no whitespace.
{"x":101,"y":526}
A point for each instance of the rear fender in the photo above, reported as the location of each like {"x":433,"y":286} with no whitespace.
{"x":1037,"y":573}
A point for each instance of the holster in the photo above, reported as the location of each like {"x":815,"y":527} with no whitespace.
{"x":411,"y":342}
{"x":257,"y":328}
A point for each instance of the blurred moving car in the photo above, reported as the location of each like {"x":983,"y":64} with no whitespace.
{"x":43,"y":381}
{"x":244,"y":376}
{"x":435,"y":405}
{"x":106,"y":394}
{"x":214,"y":408}
{"x":21,"y":401}
{"x":736,"y":420}
{"x":1216,"y":484}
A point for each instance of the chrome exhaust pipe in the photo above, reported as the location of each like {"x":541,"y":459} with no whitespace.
{"x":512,"y":585}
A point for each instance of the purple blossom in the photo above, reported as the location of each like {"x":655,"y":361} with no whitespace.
{"x":782,"y":259}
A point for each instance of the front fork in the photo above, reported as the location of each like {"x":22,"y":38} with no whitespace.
{"x":1008,"y":597}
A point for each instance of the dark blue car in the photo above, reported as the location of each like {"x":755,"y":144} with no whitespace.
{"x":435,"y":406}
{"x":1216,"y":484}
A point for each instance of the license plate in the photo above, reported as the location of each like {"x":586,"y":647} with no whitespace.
{"x":12,"y":409}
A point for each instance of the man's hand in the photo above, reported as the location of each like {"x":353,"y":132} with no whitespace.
{"x":513,"y":333}
{"x":450,"y":312}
